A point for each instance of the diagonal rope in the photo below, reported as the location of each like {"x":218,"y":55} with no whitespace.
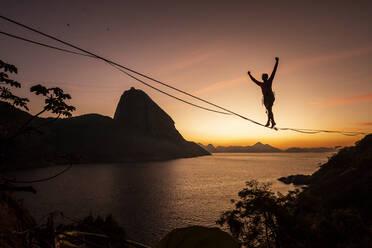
{"x":165,"y":93}
{"x":81,"y":222}
{"x":68,"y":167}
{"x":316,"y":131}
{"x":44,"y":45}
{"x":122,"y":68}
{"x":87,"y":55}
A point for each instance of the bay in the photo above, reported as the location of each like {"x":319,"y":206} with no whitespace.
{"x":150,"y":199}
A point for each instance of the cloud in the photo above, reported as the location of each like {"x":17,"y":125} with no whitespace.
{"x":221,"y":84}
{"x":308,"y":61}
{"x":200,"y":54}
{"x":345,"y":100}
{"x":365,"y":124}
{"x":182,"y":64}
{"x":296,"y":64}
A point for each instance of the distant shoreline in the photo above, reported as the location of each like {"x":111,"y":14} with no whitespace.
{"x":263,"y":148}
{"x":128,"y":161}
{"x":284,"y":151}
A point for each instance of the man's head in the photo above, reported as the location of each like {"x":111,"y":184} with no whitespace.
{"x":265,"y":76}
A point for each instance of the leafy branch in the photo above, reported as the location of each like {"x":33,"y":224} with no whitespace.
{"x":54,"y":98}
{"x":5,"y":82}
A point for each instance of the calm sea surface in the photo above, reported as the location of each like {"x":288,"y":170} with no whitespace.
{"x":150,"y":199}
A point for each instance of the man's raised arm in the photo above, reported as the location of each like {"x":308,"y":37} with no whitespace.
{"x":275,"y":67}
{"x":253,"y":79}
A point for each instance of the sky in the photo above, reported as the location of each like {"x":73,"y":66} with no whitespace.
{"x":206,"y":48}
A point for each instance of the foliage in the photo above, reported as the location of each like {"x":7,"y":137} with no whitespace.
{"x":254,"y":221}
{"x":54,"y":98}
{"x":5,"y":82}
{"x":261,"y":218}
{"x":92,"y":232}
{"x":55,"y":102}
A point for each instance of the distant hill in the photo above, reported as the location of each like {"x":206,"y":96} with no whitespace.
{"x":139,"y":131}
{"x":259,"y":147}
{"x":312,"y":149}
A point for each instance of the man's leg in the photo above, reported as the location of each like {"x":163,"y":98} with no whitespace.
{"x":271,"y":116}
{"x":268,"y":116}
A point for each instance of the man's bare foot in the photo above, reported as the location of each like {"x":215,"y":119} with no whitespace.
{"x":273,"y":124}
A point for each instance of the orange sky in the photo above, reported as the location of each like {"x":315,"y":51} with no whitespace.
{"x":323,"y":80}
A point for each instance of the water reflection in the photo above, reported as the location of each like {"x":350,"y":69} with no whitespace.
{"x":150,"y":199}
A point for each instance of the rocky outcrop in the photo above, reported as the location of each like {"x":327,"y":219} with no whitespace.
{"x":345,"y":181}
{"x":198,"y":237}
{"x":296,"y":179}
{"x":140,"y":131}
{"x":137,"y":112}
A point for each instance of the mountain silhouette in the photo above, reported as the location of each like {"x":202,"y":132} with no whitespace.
{"x":259,"y":147}
{"x":139,"y":131}
{"x":137,"y":112}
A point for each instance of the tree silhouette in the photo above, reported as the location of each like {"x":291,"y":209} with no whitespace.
{"x":262,"y":219}
{"x":55,"y":102}
{"x":5,"y":82}
{"x":54,"y":98}
{"x":255,"y":219}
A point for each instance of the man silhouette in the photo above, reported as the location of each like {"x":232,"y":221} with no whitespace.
{"x":268,"y":94}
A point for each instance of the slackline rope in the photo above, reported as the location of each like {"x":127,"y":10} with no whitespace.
{"x":87,"y":55}
{"x":68,"y":167}
{"x":124,"y":69}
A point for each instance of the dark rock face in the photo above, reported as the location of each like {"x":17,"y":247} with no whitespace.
{"x":137,"y":112}
{"x":196,"y":237}
{"x":345,"y":181}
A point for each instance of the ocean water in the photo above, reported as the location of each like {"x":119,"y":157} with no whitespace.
{"x":150,"y":199}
